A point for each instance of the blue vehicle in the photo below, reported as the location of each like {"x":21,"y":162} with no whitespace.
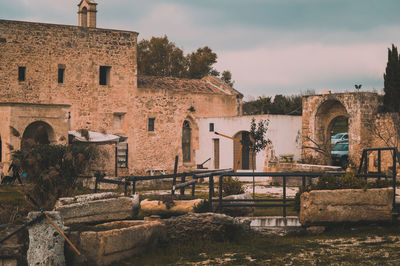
{"x":340,"y":154}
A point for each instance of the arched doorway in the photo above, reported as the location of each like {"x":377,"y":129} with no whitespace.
{"x":37,"y":133}
{"x":331,"y":127}
{"x":186,"y":141}
{"x":245,"y":162}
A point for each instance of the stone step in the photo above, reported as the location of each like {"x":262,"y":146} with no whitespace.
{"x":272,"y":221}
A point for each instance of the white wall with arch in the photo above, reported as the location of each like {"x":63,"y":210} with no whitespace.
{"x":284,"y":131}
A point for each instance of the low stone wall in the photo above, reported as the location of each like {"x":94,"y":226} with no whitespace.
{"x":109,"y":242}
{"x":346,"y":205}
{"x":95,"y":208}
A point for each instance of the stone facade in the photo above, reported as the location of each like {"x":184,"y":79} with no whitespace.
{"x":60,"y":64}
{"x":319,"y":112}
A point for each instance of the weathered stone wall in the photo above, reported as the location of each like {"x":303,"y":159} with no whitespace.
{"x":41,"y":48}
{"x":157,"y":149}
{"x":384,"y":129}
{"x":319,"y":112}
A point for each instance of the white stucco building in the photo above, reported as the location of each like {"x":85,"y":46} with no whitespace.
{"x":284,"y":131}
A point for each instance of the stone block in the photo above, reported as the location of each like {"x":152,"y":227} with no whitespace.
{"x":178,"y":207}
{"x":346,"y":205}
{"x":94,"y":208}
{"x":109,"y":242}
{"x":46,"y":245}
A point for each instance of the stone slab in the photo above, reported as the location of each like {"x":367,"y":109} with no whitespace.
{"x":155,"y":207}
{"x":97,"y":209}
{"x":46,"y":245}
{"x":114,"y":241}
{"x":346,"y":205}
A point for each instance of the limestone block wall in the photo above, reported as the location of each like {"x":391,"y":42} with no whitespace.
{"x":385,"y":132}
{"x":157,"y":149}
{"x":319,"y":111}
{"x":43,"y":48}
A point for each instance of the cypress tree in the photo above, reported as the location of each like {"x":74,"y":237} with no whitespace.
{"x":391,"y":99}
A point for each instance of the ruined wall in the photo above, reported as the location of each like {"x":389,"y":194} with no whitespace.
{"x":41,"y":48}
{"x":320,"y":110}
{"x":157,"y":149}
{"x":385,"y":132}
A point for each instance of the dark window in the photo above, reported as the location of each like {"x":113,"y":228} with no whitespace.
{"x":211,"y":127}
{"x":186,"y":141}
{"x":151,"y":124}
{"x":21,"y":73}
{"x":61,"y":72}
{"x":104,"y":75}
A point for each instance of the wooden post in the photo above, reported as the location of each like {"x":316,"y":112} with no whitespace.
{"x":174,"y":178}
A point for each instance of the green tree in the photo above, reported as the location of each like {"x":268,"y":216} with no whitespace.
{"x":391,"y":99}
{"x":160,"y":57}
{"x":226,"y":76}
{"x":200,"y":62}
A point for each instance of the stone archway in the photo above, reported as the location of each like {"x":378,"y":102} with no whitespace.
{"x":37,"y":133}
{"x":327,"y":113}
{"x":319,"y":114}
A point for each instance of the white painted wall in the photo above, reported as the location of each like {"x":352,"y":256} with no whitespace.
{"x":283,"y":131}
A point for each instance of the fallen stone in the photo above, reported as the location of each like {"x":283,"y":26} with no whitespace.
{"x":177,"y":207}
{"x":316,"y":229}
{"x":109,"y":242}
{"x":46,"y":245}
{"x":97,"y":208}
{"x":85,"y":198}
{"x":236,"y":211}
{"x":346,"y":205}
{"x":214,"y":226}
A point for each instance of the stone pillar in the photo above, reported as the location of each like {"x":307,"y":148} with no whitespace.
{"x":46,"y":245}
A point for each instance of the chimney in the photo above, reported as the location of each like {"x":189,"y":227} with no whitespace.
{"x":87,"y":13}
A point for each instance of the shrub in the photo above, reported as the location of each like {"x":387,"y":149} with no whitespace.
{"x":232,"y":186}
{"x":202,"y":207}
{"x":53,"y":169}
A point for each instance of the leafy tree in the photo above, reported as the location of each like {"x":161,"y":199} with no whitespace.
{"x":280,"y":105}
{"x":200,"y":62}
{"x":259,"y":140}
{"x":160,"y":57}
{"x":391,"y":99}
{"x":226,"y":76}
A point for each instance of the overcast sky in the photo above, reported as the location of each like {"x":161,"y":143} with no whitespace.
{"x":270,"y":46}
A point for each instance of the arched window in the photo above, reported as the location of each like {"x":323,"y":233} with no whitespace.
{"x":186,"y":141}
{"x":84,"y":17}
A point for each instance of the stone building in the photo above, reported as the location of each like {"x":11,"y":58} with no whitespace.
{"x":56,"y":78}
{"x":367,"y":127}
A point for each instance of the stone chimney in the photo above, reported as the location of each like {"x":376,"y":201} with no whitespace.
{"x":87,"y":13}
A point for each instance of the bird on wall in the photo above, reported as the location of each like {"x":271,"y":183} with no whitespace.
{"x":358,"y":87}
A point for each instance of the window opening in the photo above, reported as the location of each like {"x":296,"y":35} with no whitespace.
{"x":104,"y":75}
{"x":21,"y":73}
{"x":151,"y":124}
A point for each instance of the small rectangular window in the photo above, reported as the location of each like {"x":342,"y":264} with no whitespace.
{"x":211,"y":127}
{"x":104,"y":75}
{"x":151,"y":124}
{"x":61,"y":72}
{"x":21,"y":73}
{"x":118,"y":119}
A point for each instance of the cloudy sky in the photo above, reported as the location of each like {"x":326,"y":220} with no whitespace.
{"x":270,"y":46}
